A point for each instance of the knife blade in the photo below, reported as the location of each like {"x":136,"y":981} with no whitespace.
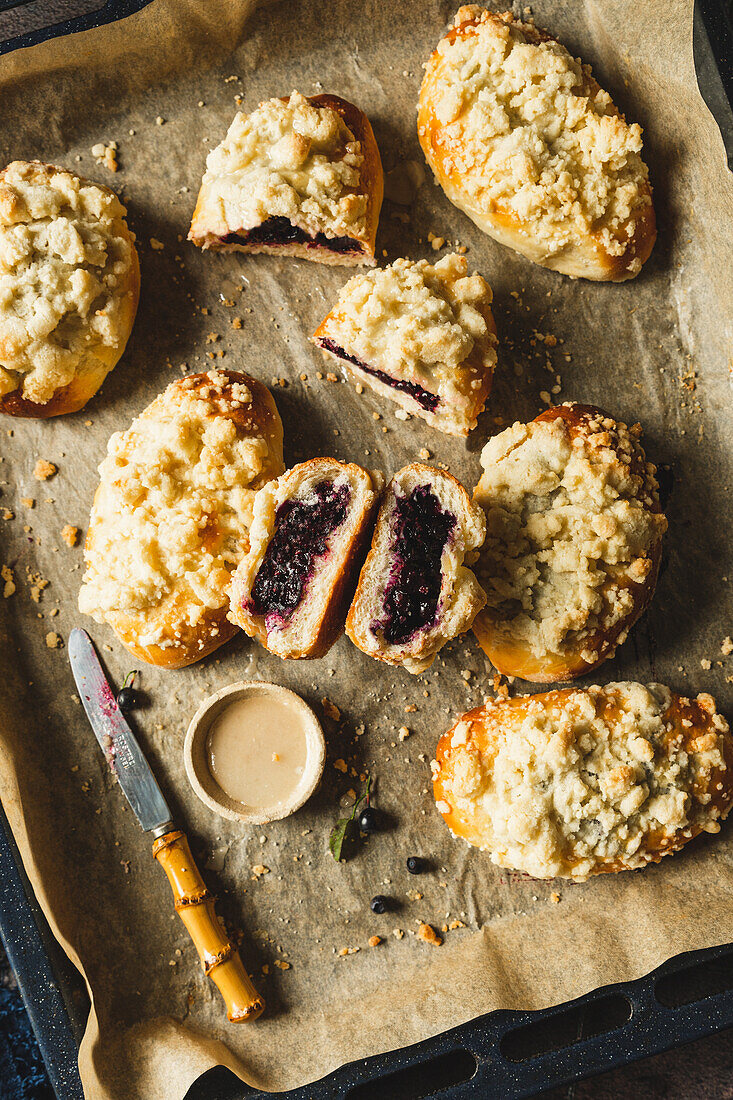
{"x":116,"y":739}
{"x":194,"y":904}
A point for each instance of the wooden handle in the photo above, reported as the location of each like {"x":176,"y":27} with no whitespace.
{"x":195,"y":906}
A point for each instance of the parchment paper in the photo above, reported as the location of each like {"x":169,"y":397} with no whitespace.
{"x":655,"y":349}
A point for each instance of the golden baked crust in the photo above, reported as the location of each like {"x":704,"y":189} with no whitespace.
{"x":523,"y":140}
{"x":171,"y":516}
{"x":426,"y":328}
{"x":574,"y":783}
{"x":573,"y":543}
{"x":312,"y":163}
{"x":69,"y":287}
{"x":459,"y":596}
{"x":318,"y":619}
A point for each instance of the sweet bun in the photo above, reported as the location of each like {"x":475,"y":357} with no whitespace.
{"x":69,"y":287}
{"x":574,"y":783}
{"x":172,"y":512}
{"x":523,"y":140}
{"x":309,"y":533}
{"x":297,"y":177}
{"x":573,"y":542}
{"x":414,"y":592}
{"x":422,"y":335}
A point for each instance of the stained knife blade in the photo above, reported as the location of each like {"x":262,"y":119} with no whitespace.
{"x":115,"y":737}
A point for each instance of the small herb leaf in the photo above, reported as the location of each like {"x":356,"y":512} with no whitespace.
{"x":338,"y":837}
{"x":344,"y":834}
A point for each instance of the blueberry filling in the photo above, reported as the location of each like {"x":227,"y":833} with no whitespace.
{"x":420,"y":531}
{"x":424,"y":398}
{"x":302,"y":530}
{"x":282,"y":231}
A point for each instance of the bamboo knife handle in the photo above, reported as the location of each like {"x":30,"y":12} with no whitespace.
{"x":195,"y":906}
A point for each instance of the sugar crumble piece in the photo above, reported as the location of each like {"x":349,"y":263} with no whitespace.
{"x":374,"y":941}
{"x":5,"y":513}
{"x":106,"y":154}
{"x":341,"y":766}
{"x":28,"y":502}
{"x":403,"y":733}
{"x":555,"y":898}
{"x":259,"y":870}
{"x":427,"y":934}
{"x":44,"y":469}
{"x":705,"y":663}
{"x":330,"y":709}
{"x":398,"y":933}
{"x":54,"y":640}
{"x":156,"y":245}
{"x":70,"y":534}
{"x":282,"y":965}
{"x":726,"y":646}
{"x":6,"y":574}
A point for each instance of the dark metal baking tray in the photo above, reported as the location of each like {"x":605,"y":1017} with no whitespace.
{"x":499,"y":1056}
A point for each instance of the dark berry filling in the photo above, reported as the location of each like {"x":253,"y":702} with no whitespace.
{"x":427,"y":400}
{"x":282,"y":231}
{"x":302,"y":530}
{"x":420,"y":531}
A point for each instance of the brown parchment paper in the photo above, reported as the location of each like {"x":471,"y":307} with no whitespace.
{"x":163,"y":85}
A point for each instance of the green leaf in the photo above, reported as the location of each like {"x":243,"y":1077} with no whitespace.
{"x":344,"y":835}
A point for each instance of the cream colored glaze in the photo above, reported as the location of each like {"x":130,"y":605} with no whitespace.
{"x":257,"y":750}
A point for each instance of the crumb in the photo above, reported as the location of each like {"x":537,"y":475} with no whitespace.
{"x":410,"y":708}
{"x":427,"y":933}
{"x":342,"y":952}
{"x":403,"y":733}
{"x":414,"y":895}
{"x":705,"y":663}
{"x":456,"y":924}
{"x":398,"y":933}
{"x":44,"y":469}
{"x":160,"y":121}
{"x":236,"y":322}
{"x":374,"y":941}
{"x":402,"y":414}
{"x":106,"y":154}
{"x":726,"y":646}
{"x":340,"y":765}
{"x":156,"y":245}
{"x":424,"y":454}
{"x":259,"y":870}
{"x":555,"y":898}
{"x":282,"y":965}
{"x":6,"y":573}
{"x":330,"y":709}
{"x":70,"y":534}
{"x":54,"y":640}
{"x":28,"y":502}
{"x":6,"y":513}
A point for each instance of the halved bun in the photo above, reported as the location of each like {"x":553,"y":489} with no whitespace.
{"x":414,"y":593}
{"x":575,"y":783}
{"x":309,"y":533}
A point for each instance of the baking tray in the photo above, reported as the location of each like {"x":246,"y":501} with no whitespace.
{"x":499,"y":1055}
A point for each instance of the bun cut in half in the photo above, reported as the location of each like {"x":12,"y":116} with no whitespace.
{"x":308,"y":538}
{"x":414,"y":592}
{"x":575,"y":783}
{"x":523,"y":140}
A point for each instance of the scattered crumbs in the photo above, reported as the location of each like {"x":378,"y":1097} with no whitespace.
{"x":410,"y":708}
{"x":726,"y":646}
{"x":282,"y":965}
{"x":44,"y":469}
{"x":705,"y":663}
{"x":106,"y":154}
{"x":236,"y":322}
{"x":398,"y":933}
{"x":436,"y":241}
{"x":424,"y":454}
{"x":156,"y":245}
{"x":340,"y":765}
{"x":6,"y":513}
{"x":454,"y":924}
{"x":555,"y":898}
{"x":259,"y":870}
{"x":70,"y":534}
{"x":427,"y":933}
{"x":343,"y":951}
{"x":54,"y":640}
{"x":403,"y":733}
{"x":331,"y":377}
{"x":374,"y":941}
{"x":6,"y":573}
{"x":330,"y":709}
{"x":28,"y":502}
{"x":414,"y":895}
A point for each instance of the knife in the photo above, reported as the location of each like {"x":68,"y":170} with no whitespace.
{"x":194,"y":904}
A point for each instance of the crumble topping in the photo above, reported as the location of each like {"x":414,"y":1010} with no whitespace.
{"x":66,"y":264}
{"x":528,"y":133}
{"x":174,"y":503}
{"x":287,"y":159}
{"x":428,"y":325}
{"x":570,"y":531}
{"x":566,"y":782}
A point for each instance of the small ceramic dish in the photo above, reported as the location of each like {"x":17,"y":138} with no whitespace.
{"x":196,"y":752}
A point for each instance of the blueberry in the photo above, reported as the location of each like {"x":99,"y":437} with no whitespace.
{"x":415,"y":865}
{"x":379,"y":904}
{"x":368,"y":820}
{"x":126,"y":699}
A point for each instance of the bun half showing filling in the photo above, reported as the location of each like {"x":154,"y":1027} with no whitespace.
{"x":414,"y":593}
{"x":308,"y":537}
